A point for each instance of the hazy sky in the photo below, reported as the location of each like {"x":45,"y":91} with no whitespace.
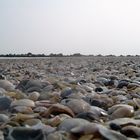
{"x":70,"y":26}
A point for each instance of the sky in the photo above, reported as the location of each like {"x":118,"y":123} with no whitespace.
{"x":70,"y":26}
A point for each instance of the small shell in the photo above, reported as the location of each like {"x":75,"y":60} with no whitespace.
{"x":34,"y":96}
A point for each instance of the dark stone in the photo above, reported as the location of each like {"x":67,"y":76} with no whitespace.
{"x":22,"y":84}
{"x":65,"y":93}
{"x":32,"y":89}
{"x":21,"y":133}
{"x":31,"y":85}
{"x":82,"y":81}
{"x":5,"y":103}
{"x":109,"y":83}
{"x":114,"y":126}
{"x":122,"y":83}
{"x":2,"y":77}
{"x":87,"y":116}
{"x":129,"y":133}
{"x":98,"y":103}
{"x":99,"y":89}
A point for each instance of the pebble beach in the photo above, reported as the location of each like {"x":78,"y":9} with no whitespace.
{"x":70,"y":98}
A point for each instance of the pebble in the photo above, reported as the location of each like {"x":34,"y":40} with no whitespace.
{"x":3,"y":118}
{"x":5,"y":103}
{"x":69,"y":124}
{"x":23,"y":102}
{"x":34,"y":96}
{"x":77,"y":105}
{"x":22,"y":109}
{"x":22,"y":133}
{"x":131,"y":131}
{"x":58,"y":109}
{"x":2,"y":92}
{"x":32,"y":122}
{"x":1,"y":136}
{"x":7,"y":85}
{"x":121,"y":111}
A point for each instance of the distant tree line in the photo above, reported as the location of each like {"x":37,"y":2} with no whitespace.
{"x":29,"y":54}
{"x":39,"y":55}
{"x":22,"y":55}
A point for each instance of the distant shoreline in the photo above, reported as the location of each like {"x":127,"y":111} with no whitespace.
{"x":48,"y":56}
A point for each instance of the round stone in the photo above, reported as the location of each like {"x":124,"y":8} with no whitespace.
{"x":23,"y":102}
{"x":5,"y":103}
